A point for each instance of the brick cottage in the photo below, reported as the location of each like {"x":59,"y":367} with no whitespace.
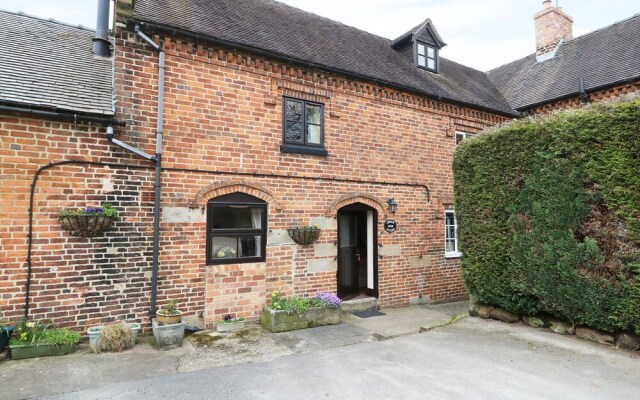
{"x":271,"y":118}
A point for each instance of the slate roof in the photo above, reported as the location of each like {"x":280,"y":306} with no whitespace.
{"x":48,"y":64}
{"x":306,"y":38}
{"x":603,"y":58}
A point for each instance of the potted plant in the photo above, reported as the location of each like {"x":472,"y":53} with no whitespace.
{"x":5,"y":332}
{"x":96,"y":333}
{"x":229,"y":323}
{"x":300,"y":312}
{"x":304,"y":235}
{"x":168,"y":330}
{"x":169,"y":314}
{"x":40,"y":340}
{"x":87,"y":222}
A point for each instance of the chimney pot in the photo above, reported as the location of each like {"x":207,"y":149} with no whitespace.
{"x":547,"y":4}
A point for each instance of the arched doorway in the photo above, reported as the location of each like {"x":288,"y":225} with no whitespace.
{"x":357,"y":251}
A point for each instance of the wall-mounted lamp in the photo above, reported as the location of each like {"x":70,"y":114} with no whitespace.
{"x":393,"y":206}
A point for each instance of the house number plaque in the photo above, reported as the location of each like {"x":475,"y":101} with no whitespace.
{"x":390,"y":226}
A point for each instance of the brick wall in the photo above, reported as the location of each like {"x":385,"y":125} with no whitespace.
{"x":223,"y":116}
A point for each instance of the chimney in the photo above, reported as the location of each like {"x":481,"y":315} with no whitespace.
{"x":101,"y":41}
{"x":552,"y":27}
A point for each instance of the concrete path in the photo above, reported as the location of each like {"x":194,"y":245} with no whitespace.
{"x":381,"y":357}
{"x":471,"y":359}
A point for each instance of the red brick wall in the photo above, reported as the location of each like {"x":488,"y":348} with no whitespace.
{"x":223,"y":115}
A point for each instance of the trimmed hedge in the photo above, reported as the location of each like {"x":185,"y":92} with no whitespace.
{"x":548,"y":211}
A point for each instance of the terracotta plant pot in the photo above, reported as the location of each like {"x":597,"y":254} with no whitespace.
{"x":168,"y":319}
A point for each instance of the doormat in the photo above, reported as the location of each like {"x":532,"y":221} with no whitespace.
{"x":368,"y":314}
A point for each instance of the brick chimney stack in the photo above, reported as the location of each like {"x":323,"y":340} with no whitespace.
{"x":552,"y":27}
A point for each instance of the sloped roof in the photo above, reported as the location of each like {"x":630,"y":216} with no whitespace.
{"x":604,"y":57}
{"x":306,"y":38}
{"x":48,"y":64}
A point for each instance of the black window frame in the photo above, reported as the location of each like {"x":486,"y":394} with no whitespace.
{"x":426,"y":57}
{"x":304,"y":147}
{"x":237,"y":199}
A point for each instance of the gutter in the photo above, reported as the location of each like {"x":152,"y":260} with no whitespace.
{"x":171,"y":31}
{"x":61,"y":116}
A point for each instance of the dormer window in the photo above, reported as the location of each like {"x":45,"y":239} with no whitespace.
{"x":420,"y":46}
{"x":427,"y":57}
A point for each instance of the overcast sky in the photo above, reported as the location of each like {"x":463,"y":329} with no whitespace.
{"x":483,"y":34}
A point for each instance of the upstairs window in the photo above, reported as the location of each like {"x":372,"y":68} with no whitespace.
{"x":451,"y":234}
{"x":236,"y":229}
{"x":426,"y":56}
{"x":460,"y":136}
{"x":303,"y":127}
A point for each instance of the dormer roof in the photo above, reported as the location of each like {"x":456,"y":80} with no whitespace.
{"x":425,"y":28}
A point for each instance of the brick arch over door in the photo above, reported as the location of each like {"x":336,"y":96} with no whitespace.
{"x":222,"y":188}
{"x":364,"y":198}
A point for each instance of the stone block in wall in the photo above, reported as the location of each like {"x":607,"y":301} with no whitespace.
{"x":324,"y":223}
{"x":279,"y":237}
{"x":322,"y":265}
{"x":420,"y":261}
{"x":390,"y":250}
{"x":183,"y":215}
{"x":325,"y":250}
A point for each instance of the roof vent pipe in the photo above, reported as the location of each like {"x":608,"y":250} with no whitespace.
{"x":101,"y":41}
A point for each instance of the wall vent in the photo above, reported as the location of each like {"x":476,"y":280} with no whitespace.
{"x":148,"y":197}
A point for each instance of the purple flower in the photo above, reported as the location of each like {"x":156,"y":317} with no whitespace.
{"x":92,"y":210}
{"x":328,"y":299}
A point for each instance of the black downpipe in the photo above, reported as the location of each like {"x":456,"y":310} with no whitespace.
{"x":158,"y":181}
{"x":101,"y":40}
{"x":199,"y":171}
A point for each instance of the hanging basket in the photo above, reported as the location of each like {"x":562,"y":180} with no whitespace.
{"x":304,"y":236}
{"x":85,"y":225}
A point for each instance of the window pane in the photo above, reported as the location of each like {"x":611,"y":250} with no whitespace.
{"x":293,"y":111}
{"x":223,"y":247}
{"x":421,"y":49}
{"x":459,"y":137}
{"x":248,"y":218}
{"x":450,"y":246}
{"x":314,"y":134}
{"x":314,"y":114}
{"x":293,"y":132}
{"x":224,"y":217}
{"x":449,"y":218}
{"x":451,"y":232}
{"x":422,"y":61}
{"x":249,"y":246}
{"x":431,"y":53}
{"x":431,"y":63}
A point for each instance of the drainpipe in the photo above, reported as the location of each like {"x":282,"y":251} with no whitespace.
{"x":158,"y":161}
{"x":101,"y":40}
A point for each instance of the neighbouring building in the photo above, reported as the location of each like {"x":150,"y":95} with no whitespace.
{"x":271,"y":118}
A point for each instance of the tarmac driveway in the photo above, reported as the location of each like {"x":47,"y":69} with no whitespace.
{"x":470,"y":359}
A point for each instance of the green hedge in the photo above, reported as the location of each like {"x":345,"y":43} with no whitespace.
{"x":548,"y":211}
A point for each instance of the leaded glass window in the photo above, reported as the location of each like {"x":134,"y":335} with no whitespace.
{"x":303,"y":122}
{"x":426,"y":56}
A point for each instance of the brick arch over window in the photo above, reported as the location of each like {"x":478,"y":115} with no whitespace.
{"x":364,"y":198}
{"x":222,"y":188}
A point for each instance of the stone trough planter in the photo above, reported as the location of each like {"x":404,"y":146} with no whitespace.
{"x":282,"y":321}
{"x":20,"y":352}
{"x":94,"y":335}
{"x":224,"y":326}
